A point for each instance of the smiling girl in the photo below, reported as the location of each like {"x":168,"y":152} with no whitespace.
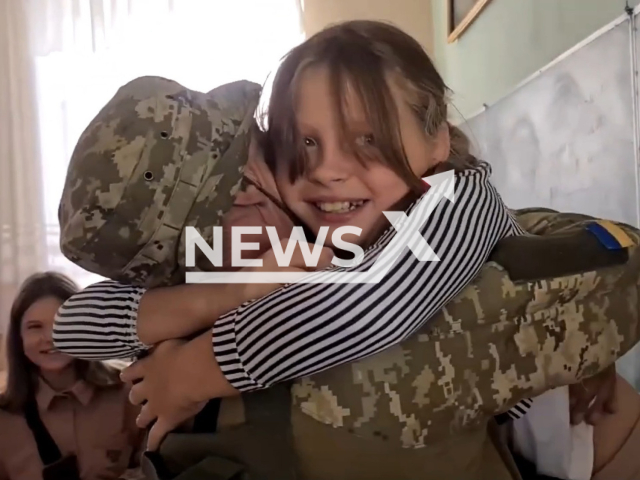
{"x":87,"y":428}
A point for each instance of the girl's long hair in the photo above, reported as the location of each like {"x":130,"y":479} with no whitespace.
{"x":22,"y":378}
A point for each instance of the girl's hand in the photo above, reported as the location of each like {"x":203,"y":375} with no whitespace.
{"x":173,"y":384}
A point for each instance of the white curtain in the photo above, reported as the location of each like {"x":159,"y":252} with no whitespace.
{"x":62,"y":60}
{"x":22,"y":221}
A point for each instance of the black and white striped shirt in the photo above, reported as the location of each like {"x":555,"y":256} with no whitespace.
{"x":304,"y":328}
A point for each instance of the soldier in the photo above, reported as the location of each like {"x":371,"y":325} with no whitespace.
{"x":445,"y":416}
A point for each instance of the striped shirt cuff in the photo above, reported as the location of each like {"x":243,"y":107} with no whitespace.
{"x":225,"y":349}
{"x":100,"y":322}
{"x":131,"y":327}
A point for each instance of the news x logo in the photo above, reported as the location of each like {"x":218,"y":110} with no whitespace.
{"x":407,"y":236}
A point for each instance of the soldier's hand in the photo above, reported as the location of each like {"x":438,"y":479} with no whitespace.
{"x":594,"y":397}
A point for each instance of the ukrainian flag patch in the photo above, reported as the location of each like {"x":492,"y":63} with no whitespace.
{"x":610,"y":235}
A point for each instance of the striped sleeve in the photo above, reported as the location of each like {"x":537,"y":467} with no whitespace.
{"x":99,"y":323}
{"x":305,"y":328}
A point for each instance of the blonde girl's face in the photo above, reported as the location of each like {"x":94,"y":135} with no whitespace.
{"x":338,"y":189}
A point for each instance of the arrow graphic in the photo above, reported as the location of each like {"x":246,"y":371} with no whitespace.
{"x":407,"y":236}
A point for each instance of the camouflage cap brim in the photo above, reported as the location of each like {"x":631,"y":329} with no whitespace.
{"x":156,"y":158}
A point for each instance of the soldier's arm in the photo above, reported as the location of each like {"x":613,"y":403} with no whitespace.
{"x":538,"y":316}
{"x":578,"y":309}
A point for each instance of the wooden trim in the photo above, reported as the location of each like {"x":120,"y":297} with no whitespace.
{"x":466,"y":21}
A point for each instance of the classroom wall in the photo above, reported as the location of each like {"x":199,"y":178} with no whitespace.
{"x":510,"y":40}
{"x":413,"y":16}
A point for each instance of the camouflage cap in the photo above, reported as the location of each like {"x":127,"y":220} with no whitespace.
{"x":157,"y":158}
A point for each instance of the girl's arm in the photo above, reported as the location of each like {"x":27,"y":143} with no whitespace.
{"x":303,"y":328}
{"x":111,"y":320}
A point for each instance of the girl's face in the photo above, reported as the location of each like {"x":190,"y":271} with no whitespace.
{"x":36,"y":329}
{"x":338,"y":189}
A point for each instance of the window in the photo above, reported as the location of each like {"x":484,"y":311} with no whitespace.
{"x":94,"y":47}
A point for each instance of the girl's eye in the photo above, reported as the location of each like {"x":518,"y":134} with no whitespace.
{"x":365,"y":140}
{"x":309,"y":142}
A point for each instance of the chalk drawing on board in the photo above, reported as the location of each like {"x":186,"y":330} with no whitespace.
{"x":564,"y":140}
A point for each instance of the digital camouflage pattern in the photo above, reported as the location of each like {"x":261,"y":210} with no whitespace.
{"x":418,"y":410}
{"x":157,"y":158}
{"x":498,"y":342}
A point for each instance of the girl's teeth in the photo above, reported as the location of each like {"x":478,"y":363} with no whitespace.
{"x":338,"y":207}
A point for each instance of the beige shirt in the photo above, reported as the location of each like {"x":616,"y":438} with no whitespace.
{"x":97,"y":425}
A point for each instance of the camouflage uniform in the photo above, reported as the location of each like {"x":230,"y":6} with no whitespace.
{"x":545,"y":311}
